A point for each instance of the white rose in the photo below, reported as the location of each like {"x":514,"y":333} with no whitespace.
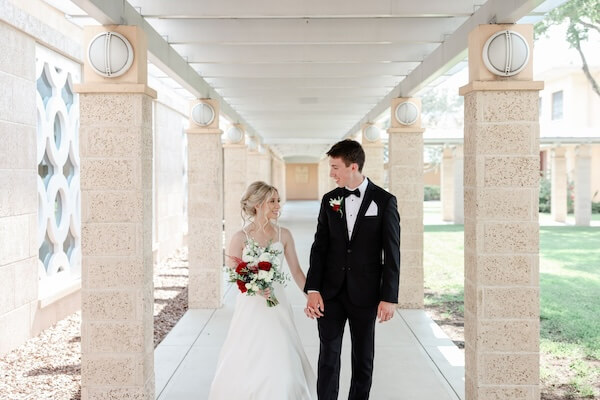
{"x":247,"y":257}
{"x":264,"y":257}
{"x":262,"y":274}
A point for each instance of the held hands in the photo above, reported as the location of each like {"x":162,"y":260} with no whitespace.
{"x":266,"y":293}
{"x":314,"y":305}
{"x":385,"y":311}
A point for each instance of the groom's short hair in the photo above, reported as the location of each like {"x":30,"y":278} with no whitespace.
{"x":350,"y":151}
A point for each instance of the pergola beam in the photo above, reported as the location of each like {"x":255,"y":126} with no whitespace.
{"x":160,"y":53}
{"x":450,"y":52}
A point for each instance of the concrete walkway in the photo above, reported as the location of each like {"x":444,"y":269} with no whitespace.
{"x":414,"y":359}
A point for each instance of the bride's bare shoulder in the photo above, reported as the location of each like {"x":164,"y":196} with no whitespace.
{"x":239,"y":234}
{"x":286,"y":235}
{"x":238,"y":237}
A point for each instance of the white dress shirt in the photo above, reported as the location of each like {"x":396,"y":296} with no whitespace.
{"x":353,"y":205}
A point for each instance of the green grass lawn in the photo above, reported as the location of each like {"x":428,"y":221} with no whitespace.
{"x":569,"y":300}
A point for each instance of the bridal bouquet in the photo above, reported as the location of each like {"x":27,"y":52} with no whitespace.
{"x":257,"y":270}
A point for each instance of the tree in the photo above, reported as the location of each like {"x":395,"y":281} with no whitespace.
{"x":441,"y":107}
{"x":580,"y":16}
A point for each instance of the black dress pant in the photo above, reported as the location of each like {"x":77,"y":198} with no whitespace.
{"x":331,"y":330}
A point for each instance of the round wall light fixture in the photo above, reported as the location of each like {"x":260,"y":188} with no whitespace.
{"x":506,"y":53}
{"x":235,"y":134}
{"x":407,"y":113}
{"x":372,"y":133}
{"x":203,"y":114}
{"x":110,"y":54}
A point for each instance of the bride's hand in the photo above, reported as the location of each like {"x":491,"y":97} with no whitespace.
{"x":265,"y":293}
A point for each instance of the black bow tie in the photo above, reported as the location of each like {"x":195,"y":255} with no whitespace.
{"x":348,"y":192}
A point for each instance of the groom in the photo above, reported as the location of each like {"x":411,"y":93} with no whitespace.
{"x":354,"y":270}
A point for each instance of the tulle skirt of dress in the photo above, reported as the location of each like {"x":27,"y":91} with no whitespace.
{"x":262,"y":357}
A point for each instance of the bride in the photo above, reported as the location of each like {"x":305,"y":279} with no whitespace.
{"x":262,"y":357}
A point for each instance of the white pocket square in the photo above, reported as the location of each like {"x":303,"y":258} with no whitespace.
{"x":372,"y":210}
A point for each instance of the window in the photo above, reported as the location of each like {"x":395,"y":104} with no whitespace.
{"x":59,"y":194}
{"x":557,"y":105}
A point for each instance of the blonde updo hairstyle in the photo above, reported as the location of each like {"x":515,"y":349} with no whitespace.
{"x":256,"y":194}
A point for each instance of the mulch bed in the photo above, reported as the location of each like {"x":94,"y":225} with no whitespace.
{"x":49,"y":365}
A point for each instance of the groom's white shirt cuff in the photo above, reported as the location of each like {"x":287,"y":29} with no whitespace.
{"x":312,"y":291}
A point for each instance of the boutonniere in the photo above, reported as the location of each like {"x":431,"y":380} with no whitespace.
{"x":336,"y":205}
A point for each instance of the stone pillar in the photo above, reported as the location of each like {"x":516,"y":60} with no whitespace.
{"x":326,"y":184}
{"x":501,"y":228}
{"x":205,"y":211}
{"x":558,"y":197}
{"x":373,"y":146}
{"x":447,"y":184}
{"x":459,"y":190}
{"x":278,"y":171}
{"x":265,"y":166}
{"x":253,"y":173}
{"x":234,"y":181}
{"x":406,"y":183}
{"x":583,"y":181}
{"x":117,"y":350}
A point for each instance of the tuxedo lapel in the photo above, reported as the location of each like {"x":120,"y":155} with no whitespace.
{"x":362,"y":210}
{"x":340,"y":218}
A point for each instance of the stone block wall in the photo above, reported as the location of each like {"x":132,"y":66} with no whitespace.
{"x":168,"y":180}
{"x":18,"y":180}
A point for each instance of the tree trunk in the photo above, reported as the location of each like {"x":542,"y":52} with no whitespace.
{"x":586,"y":69}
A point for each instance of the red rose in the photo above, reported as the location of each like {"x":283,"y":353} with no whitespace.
{"x":264,"y":265}
{"x":242,"y":286}
{"x":240,"y":267}
{"x":336,"y":207}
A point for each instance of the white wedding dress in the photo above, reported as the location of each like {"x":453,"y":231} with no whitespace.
{"x":262,"y":357}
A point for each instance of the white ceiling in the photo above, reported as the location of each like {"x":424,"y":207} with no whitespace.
{"x":311,"y":72}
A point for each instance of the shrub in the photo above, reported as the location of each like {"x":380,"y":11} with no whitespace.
{"x":545,"y":193}
{"x":570,"y":197}
{"x":431,"y":192}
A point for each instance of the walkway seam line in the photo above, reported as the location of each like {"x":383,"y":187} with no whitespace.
{"x":429,"y":355}
{"x":192,"y":345}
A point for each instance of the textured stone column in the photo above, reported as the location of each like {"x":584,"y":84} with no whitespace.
{"x":558,"y":197}
{"x":205,"y":211}
{"x":459,"y":189}
{"x":253,"y":162}
{"x":278,"y":170}
{"x":323,"y":175}
{"x":583,"y":182}
{"x":265,"y":166}
{"x":447,"y":184}
{"x":373,"y":168}
{"x":406,"y":183}
{"x":501,"y":228}
{"x":325,"y":182}
{"x":234,"y":182}
{"x":117,"y":350}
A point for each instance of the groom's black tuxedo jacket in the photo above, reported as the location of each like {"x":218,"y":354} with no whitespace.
{"x":368,"y":263}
